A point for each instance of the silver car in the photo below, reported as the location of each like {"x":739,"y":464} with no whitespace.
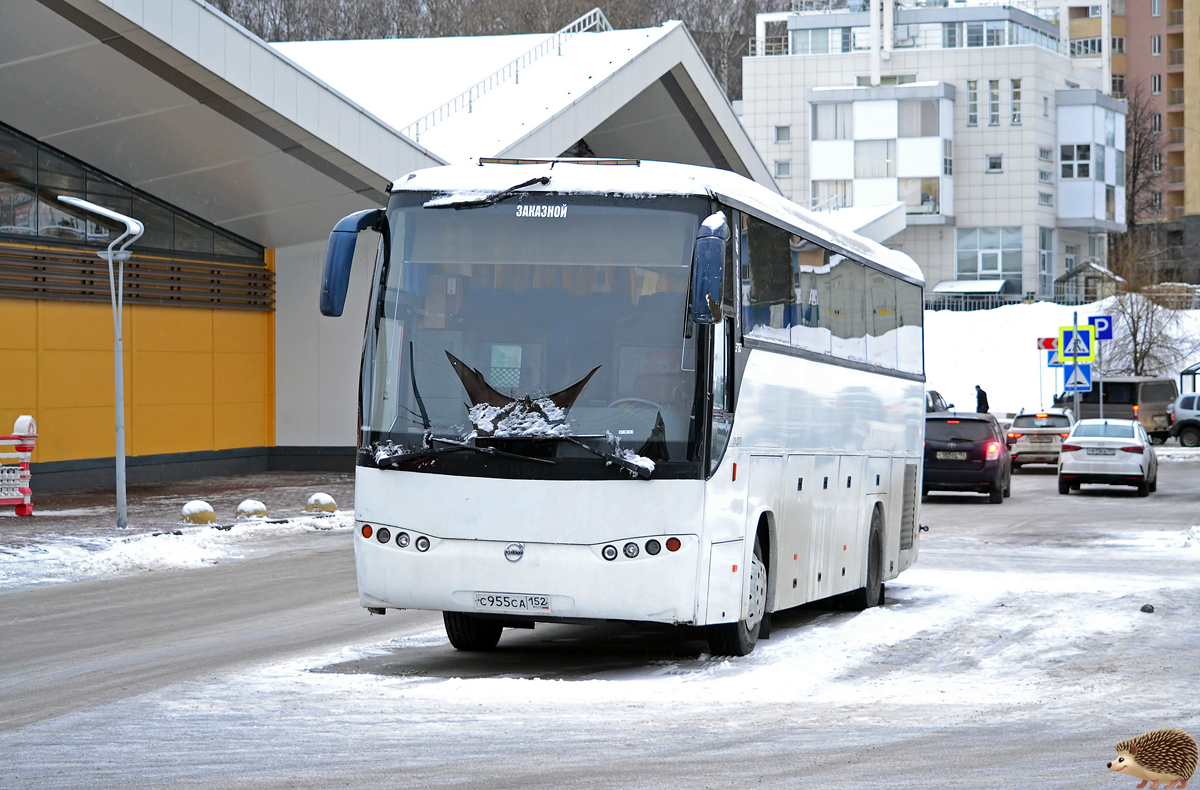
{"x":1034,"y":437}
{"x":1108,"y":452}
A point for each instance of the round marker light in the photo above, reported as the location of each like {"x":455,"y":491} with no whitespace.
{"x":609,"y":553}
{"x":653,"y":547}
{"x":422,"y":543}
{"x":383,"y":535}
{"x":366,"y":530}
{"x":631,"y":549}
{"x":402,"y":539}
{"x":673,"y":544}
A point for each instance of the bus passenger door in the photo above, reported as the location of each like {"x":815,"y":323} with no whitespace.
{"x":795,"y":530}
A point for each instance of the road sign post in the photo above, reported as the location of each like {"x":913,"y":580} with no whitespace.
{"x":1103,"y":324}
{"x":1045,"y":344}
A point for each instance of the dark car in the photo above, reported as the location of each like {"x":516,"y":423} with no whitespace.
{"x":966,"y":452}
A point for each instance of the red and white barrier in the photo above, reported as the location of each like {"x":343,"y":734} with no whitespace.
{"x":14,"y":477}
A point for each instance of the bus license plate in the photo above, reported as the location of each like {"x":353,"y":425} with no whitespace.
{"x":1101,"y":451}
{"x":508,"y":602}
{"x":951,"y":456}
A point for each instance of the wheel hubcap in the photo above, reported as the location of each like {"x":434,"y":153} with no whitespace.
{"x":758,"y":593}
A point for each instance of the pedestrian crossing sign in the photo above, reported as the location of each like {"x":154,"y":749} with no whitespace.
{"x":1077,"y":343}
{"x":1077,"y":378}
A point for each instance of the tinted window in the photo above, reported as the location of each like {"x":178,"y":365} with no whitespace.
{"x":957,"y":430}
{"x":1187,"y":402}
{"x":1046,"y":421}
{"x":1158,"y":391}
{"x":1105,"y":430}
{"x":1119,"y":392}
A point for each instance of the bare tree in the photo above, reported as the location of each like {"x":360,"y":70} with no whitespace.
{"x":1148,"y":338}
{"x":1139,"y":254}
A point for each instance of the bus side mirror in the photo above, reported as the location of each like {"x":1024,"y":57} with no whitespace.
{"x":339,"y":255}
{"x":708,"y":269}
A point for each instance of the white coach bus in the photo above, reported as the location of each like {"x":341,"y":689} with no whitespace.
{"x":623,"y":390}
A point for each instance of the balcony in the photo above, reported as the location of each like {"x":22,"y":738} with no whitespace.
{"x":1175,"y":57}
{"x":1176,"y":135}
{"x":775,"y":45}
{"x":1175,"y":96}
{"x":1175,"y":18}
{"x":1177,"y":213}
{"x":1175,"y":175}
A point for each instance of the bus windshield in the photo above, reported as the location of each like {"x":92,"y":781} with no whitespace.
{"x":532,"y":326}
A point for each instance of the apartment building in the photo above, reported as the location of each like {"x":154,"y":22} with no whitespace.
{"x":1007,"y":153}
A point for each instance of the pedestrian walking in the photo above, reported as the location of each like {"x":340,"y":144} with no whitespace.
{"x":981,"y":404}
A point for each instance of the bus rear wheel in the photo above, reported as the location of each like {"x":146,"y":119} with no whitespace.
{"x":471,"y":633}
{"x":738,"y":639}
{"x":872,"y":594}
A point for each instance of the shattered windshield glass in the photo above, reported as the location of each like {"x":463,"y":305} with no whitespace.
{"x":546,"y":326}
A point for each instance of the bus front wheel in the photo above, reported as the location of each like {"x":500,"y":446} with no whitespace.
{"x":738,"y":639}
{"x":471,"y":633}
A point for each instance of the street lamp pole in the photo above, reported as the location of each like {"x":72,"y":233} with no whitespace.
{"x":116,"y":286}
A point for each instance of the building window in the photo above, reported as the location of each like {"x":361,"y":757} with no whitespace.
{"x":993,"y":102}
{"x":847,"y":39}
{"x":919,"y":118}
{"x":947,"y":157}
{"x":989,"y":254}
{"x":920,"y":195}
{"x":875,"y":159}
{"x":815,"y":42}
{"x":1156,"y":83}
{"x":995,"y":33}
{"x":1118,"y":85}
{"x":1156,"y":123}
{"x":1118,"y":45}
{"x":1076,"y":161}
{"x":1098,"y":165}
{"x":972,"y":103}
{"x":1016,"y":102}
{"x":1155,"y":7}
{"x":1045,"y":154}
{"x":993,"y":163}
{"x":832,"y":194}
{"x":1070,"y":256}
{"x":1156,"y":163}
{"x":1120,"y":163}
{"x":1045,"y":177}
{"x":1045,"y":261}
{"x":1156,"y":201}
{"x":783,"y":169}
{"x":951,"y":35}
{"x":1110,"y":204}
{"x":1046,"y":106}
{"x":1045,"y":199}
{"x":1094,"y":11}
{"x":832,"y":121}
{"x":1087,"y":47}
{"x":894,"y":79}
{"x":1156,"y":45}
{"x":783,"y":134}
{"x":975,"y":34}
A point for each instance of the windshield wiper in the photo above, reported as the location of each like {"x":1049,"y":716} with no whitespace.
{"x":628,"y":466}
{"x":485,"y":200}
{"x":395,"y":460}
{"x":490,"y":451}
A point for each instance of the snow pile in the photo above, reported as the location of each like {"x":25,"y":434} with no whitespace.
{"x":1191,"y":538}
{"x":996,"y":349}
{"x":521,"y":418}
{"x":198,"y":512}
{"x":320,"y":502}
{"x":634,"y":458}
{"x":1177,"y":453}
{"x":62,"y":558}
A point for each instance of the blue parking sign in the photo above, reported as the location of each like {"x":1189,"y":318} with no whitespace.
{"x":1103,"y":324}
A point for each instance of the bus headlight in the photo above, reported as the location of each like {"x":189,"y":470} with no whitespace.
{"x":609,"y":553}
{"x":653,"y":547}
{"x":402,"y":540}
{"x":631,"y":549}
{"x":422,"y":543}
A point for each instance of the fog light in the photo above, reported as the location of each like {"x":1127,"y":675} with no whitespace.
{"x":673,"y":544}
{"x":631,"y":549}
{"x":609,"y":553}
{"x":383,"y":535}
{"x":422,"y":543}
{"x":653,"y":547}
{"x":402,"y":540}
{"x":366,"y":530}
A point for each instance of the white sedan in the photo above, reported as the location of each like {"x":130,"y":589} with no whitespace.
{"x":1109,"y":452}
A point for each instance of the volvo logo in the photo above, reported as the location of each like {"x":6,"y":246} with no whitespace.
{"x":514,"y":552}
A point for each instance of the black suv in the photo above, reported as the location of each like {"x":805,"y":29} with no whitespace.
{"x":966,"y":452}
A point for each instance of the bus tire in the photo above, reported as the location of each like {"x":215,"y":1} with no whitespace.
{"x":470,"y":633}
{"x":872,"y":594}
{"x":738,"y":639}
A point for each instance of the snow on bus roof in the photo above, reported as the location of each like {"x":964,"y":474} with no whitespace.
{"x":649,"y":178}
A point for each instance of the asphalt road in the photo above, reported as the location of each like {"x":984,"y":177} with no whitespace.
{"x":240,"y":674}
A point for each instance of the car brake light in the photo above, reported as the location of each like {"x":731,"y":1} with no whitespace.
{"x":1066,"y":448}
{"x":1134,"y":448}
{"x":1041,"y":416}
{"x":1064,"y":435}
{"x":993,"y":451}
{"x":1014,"y":436}
{"x":1135,"y":410}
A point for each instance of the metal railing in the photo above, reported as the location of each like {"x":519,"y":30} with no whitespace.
{"x":828,"y":203}
{"x":814,"y":6}
{"x":965,"y":302}
{"x":772,"y":45}
{"x":1175,"y":57}
{"x":1176,"y":135}
{"x":592,"y":20}
{"x":1175,"y":96}
{"x":1176,"y":175}
{"x":1175,"y":17}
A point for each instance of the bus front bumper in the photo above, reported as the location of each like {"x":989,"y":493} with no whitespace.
{"x":546,"y":581}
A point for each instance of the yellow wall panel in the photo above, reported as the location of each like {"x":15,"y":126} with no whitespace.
{"x":180,"y":394}
{"x":175,"y":428}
